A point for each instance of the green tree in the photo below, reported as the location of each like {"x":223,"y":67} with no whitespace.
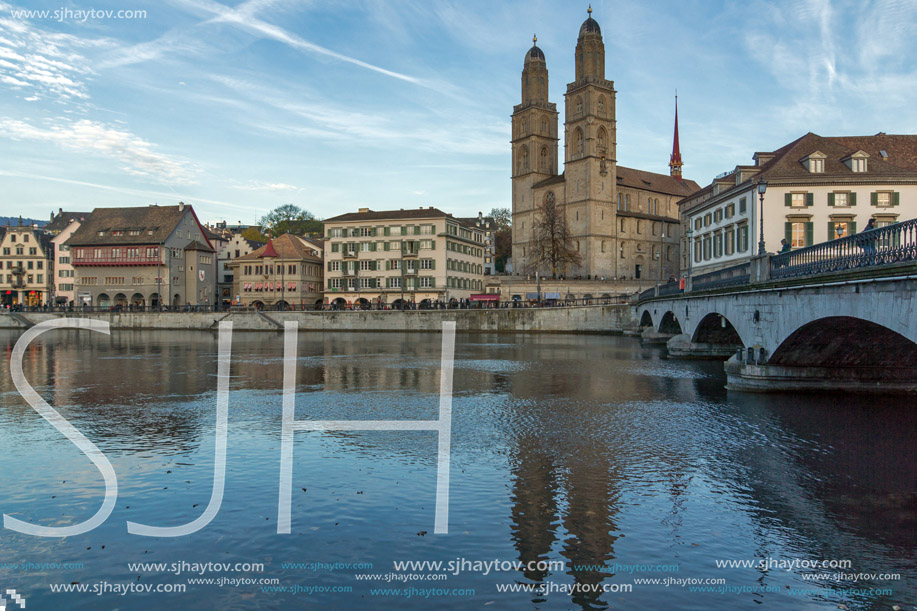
{"x":290,"y":218}
{"x":253,"y":233}
{"x":502,"y":217}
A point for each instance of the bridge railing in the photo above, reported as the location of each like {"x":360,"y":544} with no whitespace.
{"x":737,"y":275}
{"x":896,"y":243}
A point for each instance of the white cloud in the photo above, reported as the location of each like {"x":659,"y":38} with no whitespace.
{"x":137,"y":155}
{"x":257,"y":185}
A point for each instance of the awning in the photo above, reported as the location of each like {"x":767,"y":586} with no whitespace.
{"x":258,"y":286}
{"x":291,"y":286}
{"x":531,"y":295}
{"x":486,"y":297}
{"x":552,"y":296}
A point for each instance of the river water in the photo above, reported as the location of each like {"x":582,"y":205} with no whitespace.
{"x":578,"y":464}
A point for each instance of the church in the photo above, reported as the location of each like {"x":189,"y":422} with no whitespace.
{"x":622,"y":223}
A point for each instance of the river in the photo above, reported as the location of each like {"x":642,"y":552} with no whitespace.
{"x":583,"y":468}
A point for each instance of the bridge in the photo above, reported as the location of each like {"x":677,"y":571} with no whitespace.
{"x":840,"y":315}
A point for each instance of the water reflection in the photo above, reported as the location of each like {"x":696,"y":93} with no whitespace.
{"x":588,"y":450}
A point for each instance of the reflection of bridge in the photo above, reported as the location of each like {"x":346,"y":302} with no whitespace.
{"x":837,"y":315}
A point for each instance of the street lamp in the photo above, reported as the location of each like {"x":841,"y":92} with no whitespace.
{"x":762,"y":187}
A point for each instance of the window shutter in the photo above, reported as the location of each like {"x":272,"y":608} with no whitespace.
{"x":788,"y":199}
{"x":831,"y":199}
{"x":896,"y":198}
{"x":853,"y":227}
{"x":432,"y":263}
{"x":388,"y":264}
{"x":810,"y":199}
{"x":432,"y":244}
{"x":831,"y":234}
{"x":385,"y":246}
{"x":387,"y":231}
{"x":852,"y":198}
{"x":329,"y":266}
{"x":873,"y":199}
{"x":810,"y":230}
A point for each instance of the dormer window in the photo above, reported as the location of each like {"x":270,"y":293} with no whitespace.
{"x":815,"y":162}
{"x":857,"y":161}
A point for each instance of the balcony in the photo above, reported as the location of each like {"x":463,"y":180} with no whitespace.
{"x":113,"y":261}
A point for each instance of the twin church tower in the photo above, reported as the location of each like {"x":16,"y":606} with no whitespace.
{"x":623,"y":222}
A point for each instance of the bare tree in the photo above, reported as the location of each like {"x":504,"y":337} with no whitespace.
{"x":553,"y":244}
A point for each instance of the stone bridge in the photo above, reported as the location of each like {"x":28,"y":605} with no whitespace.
{"x":786,"y":325}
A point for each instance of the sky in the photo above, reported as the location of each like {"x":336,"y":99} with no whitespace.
{"x":240,"y":107}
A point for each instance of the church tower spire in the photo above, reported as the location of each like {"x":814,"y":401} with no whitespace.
{"x":675,"y":160}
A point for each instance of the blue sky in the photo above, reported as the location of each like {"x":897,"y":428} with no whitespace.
{"x":238,"y":107}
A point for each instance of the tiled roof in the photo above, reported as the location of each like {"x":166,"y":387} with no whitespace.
{"x":161,"y":220}
{"x":384,"y":215}
{"x":63,"y":218}
{"x":287,"y":246}
{"x":195,"y":245}
{"x":902,"y":157}
{"x":651,"y":181}
{"x":639,"y":179}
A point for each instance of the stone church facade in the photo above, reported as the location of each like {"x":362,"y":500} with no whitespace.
{"x":623,"y":222}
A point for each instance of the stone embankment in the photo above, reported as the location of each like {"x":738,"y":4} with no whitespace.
{"x":583,"y":319}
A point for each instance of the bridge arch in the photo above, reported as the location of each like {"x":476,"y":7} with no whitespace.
{"x":646,"y":320}
{"x":669,"y":324}
{"x":714,"y":328}
{"x":846,"y":342}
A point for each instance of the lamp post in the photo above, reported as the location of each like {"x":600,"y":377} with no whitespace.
{"x":762,"y":187}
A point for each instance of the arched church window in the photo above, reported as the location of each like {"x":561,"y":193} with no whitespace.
{"x":549,"y":198}
{"x":543,"y":160}
{"x":601,"y":104}
{"x":621,"y":250}
{"x":523,"y":127}
{"x":578,"y":141}
{"x":579,"y":104}
{"x":544,"y":126}
{"x":602,"y":139}
{"x":524,"y":159}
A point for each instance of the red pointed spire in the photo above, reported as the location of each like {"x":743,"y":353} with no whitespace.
{"x":269,"y":250}
{"x":675,"y":161}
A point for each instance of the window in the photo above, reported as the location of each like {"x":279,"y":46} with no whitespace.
{"x":578,"y":141}
{"x":620,"y":202}
{"x":797,"y":234}
{"x":336,"y":232}
{"x":334,"y":266}
{"x":742,"y":205}
{"x":840,"y":229}
{"x":621,"y":250}
{"x":544,"y":126}
{"x":622,"y":225}
{"x":858,"y":165}
{"x":730,"y":211}
{"x":718,"y":244}
{"x":816,"y":166}
{"x":365,"y":232}
{"x":841,"y":199}
{"x":698,"y":223}
{"x":718,"y":215}
{"x":601,"y":139}
{"x":638,"y":226}
{"x":707,"y":219}
{"x":524,"y":159}
{"x":579,"y":104}
{"x":729,"y":237}
{"x":707,"y":247}
{"x":799,"y":200}
{"x":742,"y":237}
{"x":885,"y":198}
{"x":601,"y":104}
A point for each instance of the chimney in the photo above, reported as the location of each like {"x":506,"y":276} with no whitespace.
{"x":363,"y":210}
{"x":181,"y":206}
